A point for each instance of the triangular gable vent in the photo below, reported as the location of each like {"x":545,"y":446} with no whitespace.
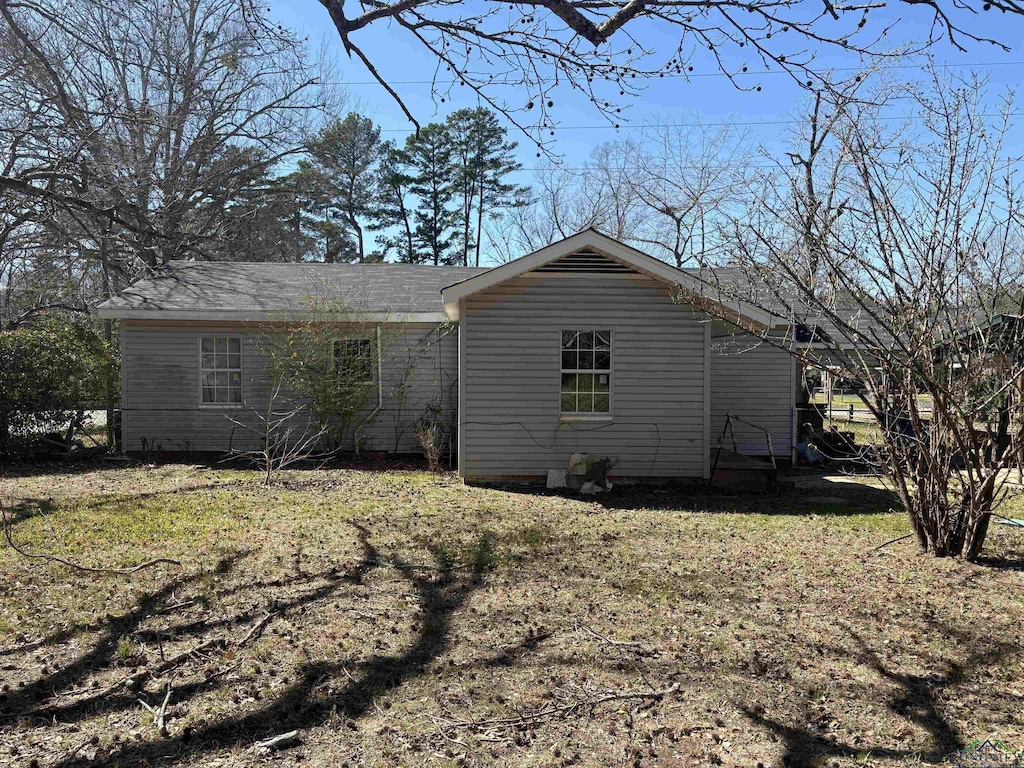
{"x":584,"y":260}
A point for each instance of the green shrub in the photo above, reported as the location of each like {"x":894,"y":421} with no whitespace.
{"x":48,"y":371}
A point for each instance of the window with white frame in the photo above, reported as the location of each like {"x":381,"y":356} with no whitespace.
{"x":353,"y":360}
{"x":220,"y":370}
{"x":586,"y":372}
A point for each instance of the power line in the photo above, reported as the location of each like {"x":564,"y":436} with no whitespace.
{"x":695,"y":75}
{"x":581,"y":169}
{"x":726,"y":124}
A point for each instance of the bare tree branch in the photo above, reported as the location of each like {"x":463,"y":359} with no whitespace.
{"x":70,"y":564}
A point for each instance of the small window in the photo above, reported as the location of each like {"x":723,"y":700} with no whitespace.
{"x":220,"y":370}
{"x":353,"y":359}
{"x":586,"y":372}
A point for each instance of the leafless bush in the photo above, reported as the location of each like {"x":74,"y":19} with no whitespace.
{"x":284,"y":435}
{"x":429,"y":435}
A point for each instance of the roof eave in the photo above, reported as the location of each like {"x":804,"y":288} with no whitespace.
{"x":250,"y":316}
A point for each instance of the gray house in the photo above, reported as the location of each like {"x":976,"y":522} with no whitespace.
{"x":586,"y":345}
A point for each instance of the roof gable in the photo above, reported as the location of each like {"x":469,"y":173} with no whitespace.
{"x":590,"y":251}
{"x":586,"y":260}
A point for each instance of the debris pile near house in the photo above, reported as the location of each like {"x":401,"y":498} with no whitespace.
{"x":829,"y":445}
{"x":586,"y":474}
{"x":55,"y":446}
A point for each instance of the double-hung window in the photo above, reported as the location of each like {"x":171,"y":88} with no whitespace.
{"x":220,"y":370}
{"x":586,"y":373}
{"x":353,"y":360}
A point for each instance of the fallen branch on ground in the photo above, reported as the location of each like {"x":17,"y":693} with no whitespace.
{"x":636,"y":647}
{"x":175,"y":607}
{"x":891,"y":541}
{"x":258,"y":627}
{"x":179,"y":659}
{"x":281,"y":741}
{"x":160,"y":715}
{"x":415,"y":567}
{"x":70,"y":564}
{"x":565,"y":709}
{"x":165,"y":666}
{"x":79,"y":748}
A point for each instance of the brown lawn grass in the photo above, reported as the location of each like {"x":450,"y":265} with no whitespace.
{"x":411,"y":616}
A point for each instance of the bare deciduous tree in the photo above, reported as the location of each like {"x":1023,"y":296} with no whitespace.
{"x":669,"y":191}
{"x":283,"y":434}
{"x":900,"y":263}
{"x":142,"y":123}
{"x":600,"y":194}
{"x":689,"y":179}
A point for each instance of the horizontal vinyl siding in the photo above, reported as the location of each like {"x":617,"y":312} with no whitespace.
{"x":425,"y":359}
{"x":512,"y":367}
{"x":161,"y":372}
{"x":753,"y":380}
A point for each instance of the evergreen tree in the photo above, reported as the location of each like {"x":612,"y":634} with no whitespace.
{"x":321,"y":218}
{"x":342,"y":164}
{"x":483,"y":159}
{"x":432,"y":181}
{"x":391,"y":209}
{"x":268,"y":222}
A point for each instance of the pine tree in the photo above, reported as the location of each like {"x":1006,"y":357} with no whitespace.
{"x":320,"y":217}
{"x":344,"y":157}
{"x":433,"y":182}
{"x":267,"y":222}
{"x":391,"y":210}
{"x":465,"y":129}
{"x":483,"y":160}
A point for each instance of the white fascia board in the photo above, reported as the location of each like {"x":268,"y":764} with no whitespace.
{"x":249,"y":316}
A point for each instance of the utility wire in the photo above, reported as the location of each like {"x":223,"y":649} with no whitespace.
{"x":725,"y":124}
{"x":694,"y":75}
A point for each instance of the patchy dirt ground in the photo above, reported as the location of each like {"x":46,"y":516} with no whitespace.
{"x":394,"y":618}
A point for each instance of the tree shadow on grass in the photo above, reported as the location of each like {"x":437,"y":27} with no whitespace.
{"x":806,"y":749}
{"x":915,"y":700}
{"x":27,"y":509}
{"x":847,"y":498}
{"x":1001,"y":562}
{"x":305,"y":703}
{"x":35,"y":700}
{"x":27,"y":700}
{"x":11,"y":470}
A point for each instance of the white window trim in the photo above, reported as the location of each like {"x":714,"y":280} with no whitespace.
{"x":199,"y":371}
{"x":588,"y":416}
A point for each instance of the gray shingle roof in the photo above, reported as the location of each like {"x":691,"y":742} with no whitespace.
{"x":268,"y":288}
{"x":813,"y":323}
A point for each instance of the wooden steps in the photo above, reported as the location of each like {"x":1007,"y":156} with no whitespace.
{"x":736,"y":472}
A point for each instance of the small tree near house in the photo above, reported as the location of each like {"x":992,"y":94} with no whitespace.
{"x":283,"y":432}
{"x":346,"y":370}
{"x":328,"y":359}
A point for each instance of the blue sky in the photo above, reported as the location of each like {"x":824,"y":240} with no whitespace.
{"x":709,"y":97}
